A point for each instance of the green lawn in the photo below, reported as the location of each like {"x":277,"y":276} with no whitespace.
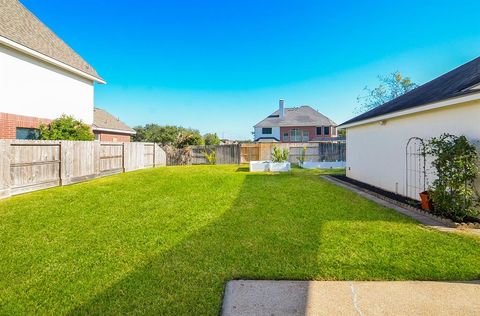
{"x":165,"y":241}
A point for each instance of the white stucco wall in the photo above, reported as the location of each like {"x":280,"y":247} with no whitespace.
{"x":275,"y":133}
{"x":376,"y":153}
{"x":34,"y":88}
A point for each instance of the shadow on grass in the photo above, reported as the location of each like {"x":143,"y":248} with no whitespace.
{"x":286,"y":232}
{"x":243,"y":169}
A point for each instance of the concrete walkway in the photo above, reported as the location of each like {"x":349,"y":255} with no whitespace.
{"x":243,"y":297}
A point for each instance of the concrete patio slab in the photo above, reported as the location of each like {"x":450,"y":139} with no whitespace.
{"x":248,"y":297}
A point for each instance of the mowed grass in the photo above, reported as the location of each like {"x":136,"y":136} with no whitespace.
{"x":164,"y":241}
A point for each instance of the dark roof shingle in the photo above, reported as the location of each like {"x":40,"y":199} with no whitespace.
{"x":18,"y":24}
{"x":452,"y":84}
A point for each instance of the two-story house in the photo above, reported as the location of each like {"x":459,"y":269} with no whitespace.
{"x":41,"y":77}
{"x":298,"y":124}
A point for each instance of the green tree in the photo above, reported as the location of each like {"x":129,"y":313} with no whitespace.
{"x":176,"y":136}
{"x":189,"y":137}
{"x":211,"y":139}
{"x":140,"y":134}
{"x":391,"y":87}
{"x":66,"y":128}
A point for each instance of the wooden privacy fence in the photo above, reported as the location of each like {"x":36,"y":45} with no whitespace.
{"x":195,"y":155}
{"x":323,"y":151}
{"x":27,"y":165}
{"x":250,"y":152}
{"x":319,"y":152}
{"x":244,"y":153}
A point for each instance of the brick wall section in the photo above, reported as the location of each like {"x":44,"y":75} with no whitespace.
{"x":10,"y":122}
{"x":112,"y":137}
{"x":312,"y":132}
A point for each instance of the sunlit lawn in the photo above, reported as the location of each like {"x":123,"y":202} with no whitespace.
{"x":164,"y":241}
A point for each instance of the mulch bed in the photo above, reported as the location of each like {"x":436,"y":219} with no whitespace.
{"x":390,"y":195}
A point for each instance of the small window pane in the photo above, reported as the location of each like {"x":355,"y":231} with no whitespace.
{"x":326,"y":130}
{"x":305,"y":137}
{"x":295,"y":135}
{"x":319,"y":131}
{"x":285,"y":136}
{"x":27,"y":133}
{"x":267,"y":130}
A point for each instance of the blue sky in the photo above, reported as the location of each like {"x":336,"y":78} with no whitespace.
{"x":221,"y":66}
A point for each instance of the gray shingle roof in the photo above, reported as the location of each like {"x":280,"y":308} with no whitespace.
{"x":452,"y":84}
{"x":18,"y":24}
{"x":299,"y":116}
{"x":103,"y":119}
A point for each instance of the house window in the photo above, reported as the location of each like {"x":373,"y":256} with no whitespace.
{"x":295,"y":135}
{"x":267,"y":131}
{"x":319,"y":131}
{"x":285,"y":137}
{"x":27,"y":133}
{"x":334,"y":131}
{"x":305,"y":137}
{"x":326,"y":130}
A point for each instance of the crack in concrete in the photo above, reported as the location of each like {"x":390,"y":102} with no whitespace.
{"x":354,"y":299}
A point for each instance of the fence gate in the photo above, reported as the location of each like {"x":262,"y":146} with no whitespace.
{"x":415,"y":167}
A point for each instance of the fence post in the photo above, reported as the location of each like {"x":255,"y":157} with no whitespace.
{"x":123,"y":157}
{"x":96,"y":158}
{"x":5,"y":178}
{"x":154,"y":148}
{"x":61,"y":176}
{"x":239,"y":153}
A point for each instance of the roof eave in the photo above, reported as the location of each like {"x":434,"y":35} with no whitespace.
{"x":416,"y":109}
{"x":101,"y":129}
{"x":12,"y":44}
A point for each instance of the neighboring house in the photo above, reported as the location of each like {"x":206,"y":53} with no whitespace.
{"x":377,"y":140}
{"x":107,"y":127}
{"x":300,"y":124}
{"x":41,"y":77}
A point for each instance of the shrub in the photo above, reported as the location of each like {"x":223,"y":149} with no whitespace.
{"x":178,"y":156}
{"x":66,"y":128}
{"x":279,"y":155}
{"x":456,"y":164}
{"x":302,"y":154}
{"x":211,"y":157}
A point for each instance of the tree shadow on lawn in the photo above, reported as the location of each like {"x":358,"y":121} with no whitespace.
{"x":243,"y":169}
{"x":298,"y":228}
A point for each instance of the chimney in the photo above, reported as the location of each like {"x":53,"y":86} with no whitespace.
{"x":281,"y":109}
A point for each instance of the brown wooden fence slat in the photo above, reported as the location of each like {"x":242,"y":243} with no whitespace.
{"x":27,"y":165}
{"x":244,"y":153}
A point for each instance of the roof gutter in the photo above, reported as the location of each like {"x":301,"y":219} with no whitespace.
{"x":50,"y":60}
{"x":101,"y":129}
{"x":417,"y":109}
